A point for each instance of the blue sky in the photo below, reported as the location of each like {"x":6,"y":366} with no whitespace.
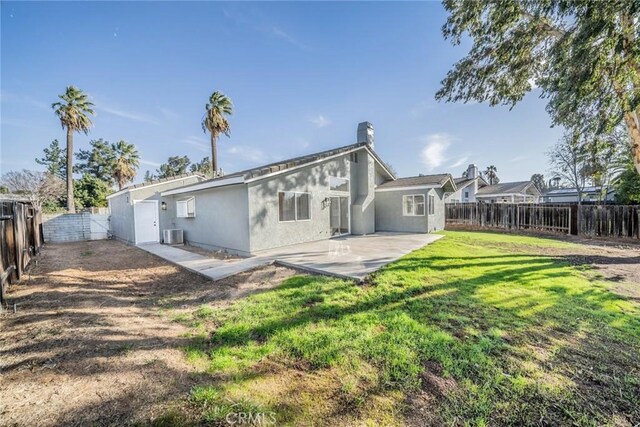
{"x":301,"y":76}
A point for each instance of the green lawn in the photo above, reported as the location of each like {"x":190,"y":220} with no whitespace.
{"x":475,"y":329}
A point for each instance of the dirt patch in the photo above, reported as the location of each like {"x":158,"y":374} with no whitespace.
{"x":422,"y":406}
{"x":221,"y":255}
{"x":91,"y":342}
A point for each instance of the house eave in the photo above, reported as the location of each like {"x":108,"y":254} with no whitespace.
{"x":205,"y":185}
{"x":144,"y":187}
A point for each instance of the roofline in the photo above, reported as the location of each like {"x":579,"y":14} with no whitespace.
{"x":205,"y":185}
{"x":409,"y":187}
{"x":423,"y":186}
{"x":132,"y":189}
{"x":366,"y":147}
{"x":506,"y":194}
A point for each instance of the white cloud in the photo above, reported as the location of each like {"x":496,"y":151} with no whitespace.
{"x":434,"y":152}
{"x":518,"y":158}
{"x":199,"y":143}
{"x":23,"y":99}
{"x":461,"y":161}
{"x":169,"y":114}
{"x":420,"y":109}
{"x":288,"y":38}
{"x":149,"y":163}
{"x":136,"y":117}
{"x":250,"y":154}
{"x":320,"y":121}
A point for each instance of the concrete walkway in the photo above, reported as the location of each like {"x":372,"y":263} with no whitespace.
{"x":351,"y":257}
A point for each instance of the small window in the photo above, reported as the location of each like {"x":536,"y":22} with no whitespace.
{"x":338,"y":184}
{"x":294,"y":206}
{"x":186,"y":208}
{"x":432,"y":208}
{"x":354,"y":157}
{"x":413,"y":205}
{"x":466,"y":194}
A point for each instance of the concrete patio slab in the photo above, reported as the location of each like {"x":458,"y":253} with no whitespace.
{"x":350,"y":257}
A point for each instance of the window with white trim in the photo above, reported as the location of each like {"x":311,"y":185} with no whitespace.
{"x":338,"y":184}
{"x":413,"y":205}
{"x":294,"y":206}
{"x":186,"y":208}
{"x":432,"y":208}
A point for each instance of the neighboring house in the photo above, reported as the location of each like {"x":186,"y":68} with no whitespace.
{"x":346,"y":190}
{"x":570,"y":195}
{"x":467,"y":186}
{"x":510,"y":192}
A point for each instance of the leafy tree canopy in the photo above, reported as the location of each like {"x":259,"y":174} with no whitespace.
{"x":126,"y":160}
{"x":89,"y":191}
{"x":583,"y":55}
{"x":176,"y":165}
{"x":539,"y":182}
{"x":203,"y":167}
{"x":55,"y":159}
{"x":98,"y":161}
{"x":216,"y":123}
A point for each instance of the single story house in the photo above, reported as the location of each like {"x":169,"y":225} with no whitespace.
{"x":467,"y":186}
{"x":345,"y":190}
{"x":138,"y":204}
{"x":472,"y":187}
{"x":510,"y":192}
{"x":570,"y":195}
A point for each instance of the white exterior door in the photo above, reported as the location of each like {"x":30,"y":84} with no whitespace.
{"x":145,"y":213}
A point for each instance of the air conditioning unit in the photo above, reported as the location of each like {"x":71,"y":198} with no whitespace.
{"x":172,"y":237}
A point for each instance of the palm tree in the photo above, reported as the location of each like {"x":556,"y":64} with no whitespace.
{"x":492,"y":175}
{"x":73,"y":113}
{"x":126,"y":162}
{"x":216,"y":123}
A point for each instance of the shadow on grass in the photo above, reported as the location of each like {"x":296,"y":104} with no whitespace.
{"x":490,"y":308}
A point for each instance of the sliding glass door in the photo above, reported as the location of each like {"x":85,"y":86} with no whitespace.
{"x":339,"y":216}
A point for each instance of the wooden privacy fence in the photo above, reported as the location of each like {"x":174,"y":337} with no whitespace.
{"x":591,"y":220}
{"x":20,"y":240}
{"x":510,"y":216}
{"x":609,"y":221}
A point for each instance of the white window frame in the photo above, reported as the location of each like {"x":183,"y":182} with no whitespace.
{"x":347,"y":180}
{"x":413,"y":198}
{"x":191,"y":201}
{"x":295,"y":206}
{"x":431,"y":206}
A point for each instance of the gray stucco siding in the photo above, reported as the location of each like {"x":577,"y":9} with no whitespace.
{"x":389,"y":212}
{"x":266,"y":229}
{"x":435,"y":221}
{"x":121,"y":217}
{"x":221,"y":220}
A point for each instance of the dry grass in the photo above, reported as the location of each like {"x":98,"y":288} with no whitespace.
{"x":92,"y":342}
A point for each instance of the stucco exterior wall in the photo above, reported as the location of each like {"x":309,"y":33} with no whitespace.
{"x":363,"y":177}
{"x":389,"y":213}
{"x":265,"y":228}
{"x":121,"y":220}
{"x":435,"y":222}
{"x":221,"y":221}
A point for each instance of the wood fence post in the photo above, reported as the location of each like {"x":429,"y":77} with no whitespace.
{"x":14,"y":212}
